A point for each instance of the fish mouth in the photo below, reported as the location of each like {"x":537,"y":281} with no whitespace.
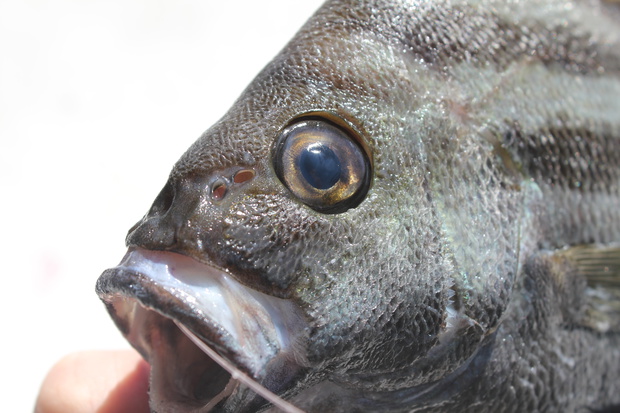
{"x":213,"y":344}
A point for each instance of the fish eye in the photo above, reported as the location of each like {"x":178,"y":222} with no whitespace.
{"x":322,"y":164}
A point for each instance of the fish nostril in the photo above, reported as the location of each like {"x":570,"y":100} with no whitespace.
{"x":219,"y":191}
{"x":221,"y":186}
{"x":243,"y":175}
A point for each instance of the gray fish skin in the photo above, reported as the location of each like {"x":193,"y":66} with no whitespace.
{"x":493,"y":129}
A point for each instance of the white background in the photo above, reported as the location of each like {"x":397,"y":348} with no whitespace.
{"x":98,"y":98}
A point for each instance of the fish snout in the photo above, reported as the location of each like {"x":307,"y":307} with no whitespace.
{"x":187,"y":215}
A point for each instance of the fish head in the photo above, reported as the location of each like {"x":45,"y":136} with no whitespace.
{"x":302,"y":238}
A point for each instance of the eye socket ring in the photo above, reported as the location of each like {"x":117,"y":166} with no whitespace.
{"x":322,"y":164}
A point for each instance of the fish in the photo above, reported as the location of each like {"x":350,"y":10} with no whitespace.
{"x":415,"y":207}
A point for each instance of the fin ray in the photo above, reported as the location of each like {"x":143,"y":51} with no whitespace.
{"x":599,"y":265}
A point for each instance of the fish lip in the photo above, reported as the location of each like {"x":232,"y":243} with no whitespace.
{"x":168,"y":286}
{"x":120,"y":286}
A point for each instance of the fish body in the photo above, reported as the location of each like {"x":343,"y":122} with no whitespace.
{"x":414,"y":207}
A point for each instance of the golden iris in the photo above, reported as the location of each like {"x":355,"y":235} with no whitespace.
{"x":322,"y":165}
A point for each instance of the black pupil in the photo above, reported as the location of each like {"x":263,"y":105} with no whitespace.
{"x":320,"y":166}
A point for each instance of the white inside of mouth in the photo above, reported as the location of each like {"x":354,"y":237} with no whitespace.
{"x":237,"y":375}
{"x":259,"y":324}
{"x":241,"y":311}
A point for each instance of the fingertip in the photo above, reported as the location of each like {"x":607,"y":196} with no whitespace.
{"x":96,"y":381}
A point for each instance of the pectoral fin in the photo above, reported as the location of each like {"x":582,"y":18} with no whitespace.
{"x":599,"y":266}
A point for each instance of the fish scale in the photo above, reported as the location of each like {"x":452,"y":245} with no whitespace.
{"x":477,"y":270}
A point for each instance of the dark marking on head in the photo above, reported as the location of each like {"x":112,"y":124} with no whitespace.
{"x":445,"y":36}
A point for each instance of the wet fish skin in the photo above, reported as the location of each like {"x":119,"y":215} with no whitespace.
{"x":494,"y":133}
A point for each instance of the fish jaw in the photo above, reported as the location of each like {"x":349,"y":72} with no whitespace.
{"x":165,"y":302}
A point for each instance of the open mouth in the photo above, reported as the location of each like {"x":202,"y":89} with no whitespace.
{"x":213,"y":344}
